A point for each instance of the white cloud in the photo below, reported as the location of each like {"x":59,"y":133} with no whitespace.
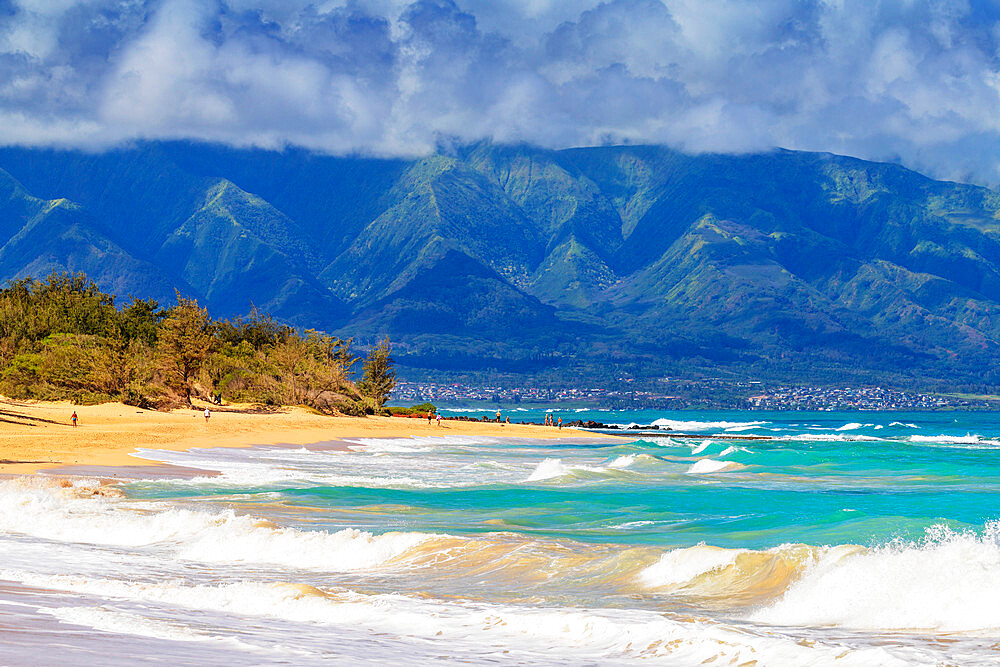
{"x":914,"y":79}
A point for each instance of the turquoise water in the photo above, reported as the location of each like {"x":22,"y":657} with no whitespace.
{"x":772,"y":536}
{"x":813,"y":483}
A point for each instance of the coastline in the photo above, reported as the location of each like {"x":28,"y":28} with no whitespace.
{"x":36,"y":436}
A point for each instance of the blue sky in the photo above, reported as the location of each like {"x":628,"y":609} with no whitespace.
{"x":912,"y":81}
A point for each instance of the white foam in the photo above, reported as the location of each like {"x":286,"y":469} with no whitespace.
{"x":581,"y":634}
{"x":554,"y":468}
{"x":700,"y":448}
{"x":119,"y":622}
{"x":259,"y":471}
{"x":949,"y":582}
{"x":633,"y":524}
{"x":548,"y":469}
{"x":687,"y":426}
{"x":415,"y":443}
{"x":679,"y":566}
{"x":828,"y":437}
{"x":55,"y":514}
{"x":623,"y":461}
{"x":732,"y":449}
{"x":709,"y":466}
{"x":261,"y":467}
{"x":853,"y":426}
{"x":968,"y":439}
{"x":677,"y":425}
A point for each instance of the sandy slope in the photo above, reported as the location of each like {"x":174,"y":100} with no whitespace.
{"x":36,"y":435}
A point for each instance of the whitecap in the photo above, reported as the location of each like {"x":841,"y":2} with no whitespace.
{"x":679,"y":566}
{"x":853,"y":426}
{"x":949,"y":582}
{"x":548,"y":469}
{"x":54,"y":514}
{"x":582,"y":634}
{"x":623,"y":461}
{"x":677,"y":425}
{"x":700,"y":448}
{"x":709,"y":466}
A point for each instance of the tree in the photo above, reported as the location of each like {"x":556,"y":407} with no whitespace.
{"x":378,"y":379}
{"x":185,"y":340}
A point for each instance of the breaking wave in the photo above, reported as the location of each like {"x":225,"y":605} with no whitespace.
{"x":69,"y":514}
{"x":583,"y":634}
{"x":711,"y":465}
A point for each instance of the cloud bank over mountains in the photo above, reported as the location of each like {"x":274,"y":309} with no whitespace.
{"x":915,"y":81}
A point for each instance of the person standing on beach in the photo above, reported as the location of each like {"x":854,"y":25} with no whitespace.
{"x":438,"y":419}
{"x":498,"y":415}
{"x":73,"y":418}
{"x":430,"y":415}
{"x":560,"y":422}
{"x":207,"y":415}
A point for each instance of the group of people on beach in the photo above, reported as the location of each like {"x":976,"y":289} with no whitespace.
{"x":430,"y":417}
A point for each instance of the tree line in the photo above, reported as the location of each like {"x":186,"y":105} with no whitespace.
{"x":64,"y":339}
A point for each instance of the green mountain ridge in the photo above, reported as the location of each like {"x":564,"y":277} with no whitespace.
{"x":581,"y":263}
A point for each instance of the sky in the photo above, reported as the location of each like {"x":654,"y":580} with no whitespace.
{"x":912,"y":81}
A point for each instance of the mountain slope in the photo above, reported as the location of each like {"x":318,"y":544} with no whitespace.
{"x":240,"y":252}
{"x":438,"y":205}
{"x":39,"y":237}
{"x":589,"y":262}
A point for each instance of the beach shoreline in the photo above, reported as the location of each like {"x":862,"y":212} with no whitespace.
{"x":38,"y":436}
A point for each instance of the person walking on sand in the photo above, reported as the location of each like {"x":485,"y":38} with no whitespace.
{"x":430,"y":415}
{"x":208,"y":414}
{"x":73,"y":418}
{"x":438,"y":419}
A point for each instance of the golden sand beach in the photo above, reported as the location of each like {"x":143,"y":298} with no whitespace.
{"x":40,"y":435}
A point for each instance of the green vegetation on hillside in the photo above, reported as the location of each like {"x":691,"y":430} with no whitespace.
{"x":63,"y":338}
{"x":566,"y":267}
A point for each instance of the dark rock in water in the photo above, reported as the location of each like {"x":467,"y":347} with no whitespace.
{"x":590,"y":423}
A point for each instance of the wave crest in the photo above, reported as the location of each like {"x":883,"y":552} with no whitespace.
{"x":48,"y":511}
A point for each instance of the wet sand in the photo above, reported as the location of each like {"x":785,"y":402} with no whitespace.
{"x":38,"y":436}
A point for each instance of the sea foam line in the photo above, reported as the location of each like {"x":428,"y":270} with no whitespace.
{"x":585,"y":633}
{"x":58,"y":514}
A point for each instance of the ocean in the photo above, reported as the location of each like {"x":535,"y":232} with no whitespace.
{"x":845,"y":538}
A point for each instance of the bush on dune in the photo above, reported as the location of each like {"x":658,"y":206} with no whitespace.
{"x":63,"y":338}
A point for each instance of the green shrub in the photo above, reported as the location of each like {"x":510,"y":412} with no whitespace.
{"x":63,"y":338}
{"x":419,"y":409}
